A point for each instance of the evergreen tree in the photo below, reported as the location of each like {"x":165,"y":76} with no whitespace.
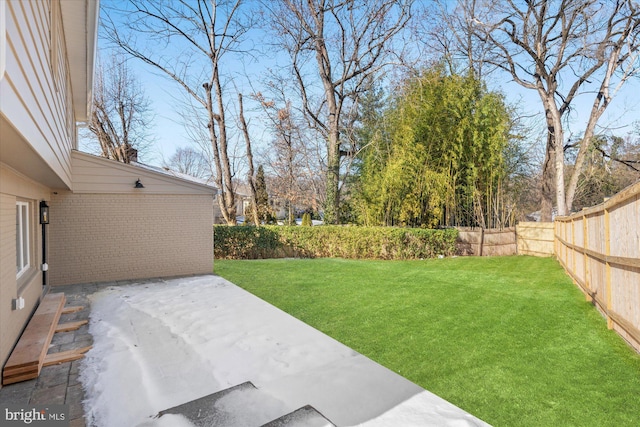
{"x":306,"y":220}
{"x":262,"y":197}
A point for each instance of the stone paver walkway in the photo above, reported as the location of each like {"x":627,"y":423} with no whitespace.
{"x":59,"y":384}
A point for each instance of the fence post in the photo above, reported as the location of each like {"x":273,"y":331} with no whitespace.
{"x":556,"y":234}
{"x":573,"y":242}
{"x":585,"y":257}
{"x":607,"y":252}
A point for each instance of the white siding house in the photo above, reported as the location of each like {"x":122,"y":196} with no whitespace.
{"x":47,"y":50}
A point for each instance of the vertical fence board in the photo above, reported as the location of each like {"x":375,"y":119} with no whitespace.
{"x":585,"y":257}
{"x":607,"y":253}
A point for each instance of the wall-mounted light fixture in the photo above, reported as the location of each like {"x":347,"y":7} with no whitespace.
{"x":44,"y":212}
{"x":138,"y":184}
{"x":44,"y":220}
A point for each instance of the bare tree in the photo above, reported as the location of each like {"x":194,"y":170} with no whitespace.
{"x":189,"y":161}
{"x":250,"y":172}
{"x":186,"y":41}
{"x":349,"y":41}
{"x":610,"y":165}
{"x":295,"y":155}
{"x":562,"y":49}
{"x":120,"y":114}
{"x":444,"y":32}
{"x":286,"y":155}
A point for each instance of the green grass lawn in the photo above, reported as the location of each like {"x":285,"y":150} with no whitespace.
{"x":509,"y":339}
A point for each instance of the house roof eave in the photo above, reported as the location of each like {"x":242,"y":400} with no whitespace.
{"x":80,"y":24}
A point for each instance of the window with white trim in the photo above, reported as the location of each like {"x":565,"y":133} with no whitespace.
{"x":23,"y":245}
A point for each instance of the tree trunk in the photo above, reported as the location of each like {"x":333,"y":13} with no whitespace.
{"x":332,"y":203}
{"x":548,"y":180}
{"x":599,"y":105}
{"x":250,"y":172}
{"x":229,"y":196}
{"x":222,"y":187}
{"x":561,"y":203}
{"x":331,"y":210}
{"x":555,"y":138}
{"x":577,"y":170}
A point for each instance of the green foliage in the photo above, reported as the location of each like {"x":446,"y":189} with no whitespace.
{"x":332,"y":241}
{"x":306,"y":220}
{"x":234,"y":242}
{"x":436,"y":156}
{"x":264,"y":210}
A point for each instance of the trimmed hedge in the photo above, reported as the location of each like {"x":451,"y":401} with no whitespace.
{"x":250,"y":242}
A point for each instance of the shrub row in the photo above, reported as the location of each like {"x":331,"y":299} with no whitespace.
{"x":249,"y":242}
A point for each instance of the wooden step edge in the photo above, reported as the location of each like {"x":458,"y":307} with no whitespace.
{"x":19,"y":378}
{"x":51,"y":303}
{"x":20,"y":370}
{"x":10,"y":375}
{"x":52,"y":331}
{"x":23,"y":367}
{"x":65,"y":356}
{"x":72,"y":309}
{"x":70,"y":326}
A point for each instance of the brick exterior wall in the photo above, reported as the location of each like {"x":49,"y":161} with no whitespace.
{"x":13,"y":187}
{"x":106,"y":237}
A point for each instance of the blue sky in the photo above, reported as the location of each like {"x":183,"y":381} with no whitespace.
{"x":248,"y":72}
{"x":170,"y":134}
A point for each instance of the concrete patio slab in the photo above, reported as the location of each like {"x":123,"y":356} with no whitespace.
{"x":161,"y":345}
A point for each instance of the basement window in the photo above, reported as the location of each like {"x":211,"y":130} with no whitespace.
{"x":23,"y":248}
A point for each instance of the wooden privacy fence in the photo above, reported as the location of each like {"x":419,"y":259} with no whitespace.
{"x":600,"y":248}
{"x":489,"y":242}
{"x":535,"y":238}
{"x":527,"y":238}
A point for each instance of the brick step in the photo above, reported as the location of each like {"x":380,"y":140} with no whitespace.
{"x":307,"y":416}
{"x":242,"y":405}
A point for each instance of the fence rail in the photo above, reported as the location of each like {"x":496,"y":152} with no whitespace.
{"x":600,"y":248}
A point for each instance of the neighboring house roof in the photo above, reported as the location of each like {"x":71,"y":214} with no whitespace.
{"x":93,"y":174}
{"x":242,"y":190}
